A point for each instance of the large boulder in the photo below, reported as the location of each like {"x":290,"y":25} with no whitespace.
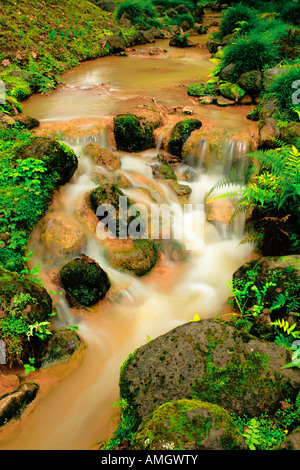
{"x":62,"y":237}
{"x":251,"y":82}
{"x":180,"y":134}
{"x":102,"y":156}
{"x":132,"y":133}
{"x":116,"y":43}
{"x":209,"y":361}
{"x":57,"y":157}
{"x":268,"y":134}
{"x":189,"y":425}
{"x":60,"y":348}
{"x":137,"y":257}
{"x":23,"y":303}
{"x":84,"y":281}
{"x":106,"y":202}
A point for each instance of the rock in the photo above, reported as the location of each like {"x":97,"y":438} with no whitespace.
{"x":106,"y":5}
{"x":106,"y":203}
{"x":213,"y":45}
{"x":116,"y":43}
{"x":251,"y":82}
{"x":171,"y":12}
{"x":102,"y":156}
{"x":145,"y":37}
{"x":290,"y":132}
{"x":268,"y":108}
{"x":26,"y":121}
{"x":135,"y":256}
{"x":182,"y":190}
{"x":180,"y":134}
{"x":223,"y":102}
{"x":60,"y":347}
{"x":189,"y":425}
{"x":62,"y":237}
{"x":13,"y":405}
{"x":209,"y":361}
{"x":268,"y":268}
{"x":227,"y":73}
{"x":84,"y":281}
{"x":231,"y":91}
{"x":182,"y":9}
{"x":172,"y":250}
{"x":268,"y":134}
{"x":181,"y":41}
{"x":272,"y":73}
{"x":292,"y":441}
{"x":125,"y":20}
{"x":133,"y":134}
{"x":161,"y":169}
{"x":208,"y":99}
{"x":22,"y":302}
{"x":56,"y":156}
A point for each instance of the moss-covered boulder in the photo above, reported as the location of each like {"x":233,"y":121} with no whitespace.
{"x":231,"y":91}
{"x":209,"y":361}
{"x":22,"y":303}
{"x":181,"y":41}
{"x":132,"y":133}
{"x":84,"y":281}
{"x":161,"y":168}
{"x":102,"y":156}
{"x":57,"y":157}
{"x":135,"y":256}
{"x":62,"y":344}
{"x":180,"y":134}
{"x":251,"y":82}
{"x":188,"y":425}
{"x":276,"y":281}
{"x":111,"y":206}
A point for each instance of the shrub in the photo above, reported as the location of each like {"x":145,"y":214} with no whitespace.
{"x":250,"y":52}
{"x":179,"y":19}
{"x":282,"y":90}
{"x":290,"y":13}
{"x":233,"y":17}
{"x":137,"y":10}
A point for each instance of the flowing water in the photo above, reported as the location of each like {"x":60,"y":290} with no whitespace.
{"x":76,"y":413}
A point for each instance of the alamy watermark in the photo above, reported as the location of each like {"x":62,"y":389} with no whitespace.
{"x":2,"y":352}
{"x":159,"y":221}
{"x":2,"y":92}
{"x":296,"y":94}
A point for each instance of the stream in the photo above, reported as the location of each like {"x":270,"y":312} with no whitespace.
{"x":77,"y":412}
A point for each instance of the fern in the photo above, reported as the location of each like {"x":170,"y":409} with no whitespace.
{"x":252,"y":435}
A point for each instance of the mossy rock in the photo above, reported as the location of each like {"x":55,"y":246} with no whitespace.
{"x":231,"y":91}
{"x":135,"y":256}
{"x":84,"y":280}
{"x":133,"y":134}
{"x":61,"y":346}
{"x":22,"y":303}
{"x":13,"y":405}
{"x":57,"y":157}
{"x":210,"y":361}
{"x":189,"y":425}
{"x":180,"y":134}
{"x":251,"y":82}
{"x":102,"y":156}
{"x":113,"y":211}
{"x":202,"y":89}
{"x":161,"y":168}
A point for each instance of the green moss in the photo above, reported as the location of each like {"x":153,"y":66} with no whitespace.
{"x":180,"y":134}
{"x":187,"y":424}
{"x":138,"y":259}
{"x":132,"y":134}
{"x":22,"y":303}
{"x":84,"y":280}
{"x":231,"y":91}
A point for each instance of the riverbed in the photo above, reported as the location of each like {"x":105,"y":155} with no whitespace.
{"x":77,"y":412}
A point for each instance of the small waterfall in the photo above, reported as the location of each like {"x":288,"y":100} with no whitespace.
{"x":233,"y":157}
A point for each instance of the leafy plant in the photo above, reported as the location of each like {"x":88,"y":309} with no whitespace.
{"x":30,"y":367}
